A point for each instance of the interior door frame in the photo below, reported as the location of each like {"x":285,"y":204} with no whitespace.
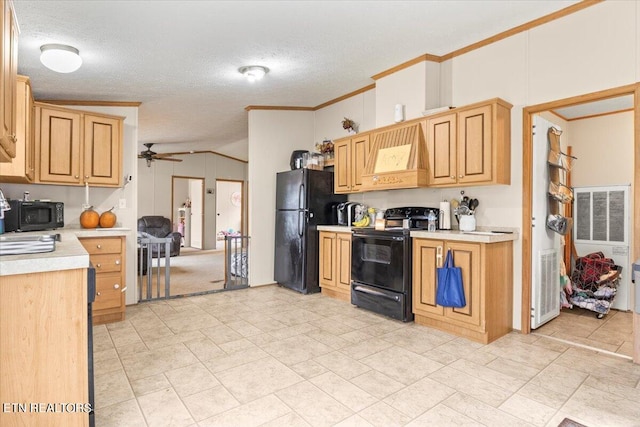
{"x":527,"y":157}
{"x":173,"y":178}
{"x":243,"y":225}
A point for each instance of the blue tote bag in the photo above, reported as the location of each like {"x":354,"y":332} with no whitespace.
{"x":450,"y":291}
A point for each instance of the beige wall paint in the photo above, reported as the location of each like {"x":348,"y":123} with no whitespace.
{"x":273,"y":135}
{"x":327,"y":122}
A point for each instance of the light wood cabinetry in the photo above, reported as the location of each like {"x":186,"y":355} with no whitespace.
{"x":350,"y":156}
{"x":470,"y":145}
{"x":74,"y":147}
{"x":44,"y":347}
{"x":23,"y":167}
{"x":107,"y":254}
{"x":487,"y":279}
{"x":8,"y":80}
{"x":335,"y":264}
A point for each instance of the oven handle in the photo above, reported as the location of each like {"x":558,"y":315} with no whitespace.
{"x":370,"y":291}
{"x":367,"y":236}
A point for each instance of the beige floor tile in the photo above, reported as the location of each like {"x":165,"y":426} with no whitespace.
{"x":365,"y":348}
{"x":342,"y":364}
{"x":383,"y":326}
{"x":164,"y":409}
{"x":192,"y":322}
{"x":419,"y":397}
{"x":626,"y":348}
{"x":565,"y":381}
{"x":332,"y":325}
{"x":244,"y":328}
{"x":111,"y":387}
{"x":475,"y":387}
{"x":416,"y":340}
{"x":228,"y":361}
{"x":153,"y":334}
{"x":255,"y":413}
{"x":138,"y":347}
{"x":296,"y":349}
{"x":174,"y":339}
{"x":149,"y":384}
{"x":481,"y":412}
{"x":328,"y":338}
{"x":191,"y":379}
{"x":267,"y":325}
{"x":354,"y":421}
{"x":204,"y":349}
{"x":626,"y":392}
{"x":382,"y":415}
{"x":210,"y":402}
{"x":309,"y":369}
{"x":443,"y":416}
{"x":106,"y":361}
{"x":356,"y":336}
{"x":315,"y":406}
{"x":124,"y":336}
{"x":441,"y":356}
{"x":516,"y":370}
{"x":121,"y":414}
{"x":102,"y":341}
{"x":547,"y":395}
{"x":603,"y":409}
{"x":221,"y":334}
{"x":242,"y":344}
{"x":145,"y":364}
{"x":257,"y":379}
{"x":289,"y":420}
{"x":460,"y":347}
{"x":296,"y":316}
{"x":489,"y":375}
{"x":531,"y":355}
{"x":292,"y":331}
{"x":342,"y":390}
{"x":262,"y":339}
{"x":377,"y":384}
{"x":528,"y":410}
{"x":401,"y":364}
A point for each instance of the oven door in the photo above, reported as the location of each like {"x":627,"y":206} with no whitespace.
{"x":381,"y":259}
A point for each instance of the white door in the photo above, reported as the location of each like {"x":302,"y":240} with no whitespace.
{"x":545,"y":243}
{"x":228,"y":207}
{"x":197,"y":212}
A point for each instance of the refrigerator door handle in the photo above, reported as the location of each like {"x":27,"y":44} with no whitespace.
{"x":301,"y":221}
{"x":301,"y":196}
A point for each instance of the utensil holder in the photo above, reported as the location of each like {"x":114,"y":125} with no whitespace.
{"x":467,"y":223}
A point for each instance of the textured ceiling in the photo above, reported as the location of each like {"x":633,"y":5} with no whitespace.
{"x":180,"y":58}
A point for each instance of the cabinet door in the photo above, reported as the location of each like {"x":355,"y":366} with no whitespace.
{"x":22,"y":167}
{"x":108,"y":292}
{"x":9,"y":72}
{"x":343,"y":261}
{"x":327,"y":265}
{"x":467,"y":257}
{"x":342,"y":166}
{"x":441,"y":149}
{"x":427,"y":257}
{"x":102,"y":150}
{"x":359,"y":155}
{"x":58,"y":139}
{"x":474,"y":145}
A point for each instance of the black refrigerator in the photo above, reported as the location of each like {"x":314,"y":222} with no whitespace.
{"x":304,"y":200}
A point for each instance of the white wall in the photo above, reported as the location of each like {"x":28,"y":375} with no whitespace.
{"x":100,"y":197}
{"x":328,"y":121}
{"x":273,"y":135}
{"x":154,"y":186}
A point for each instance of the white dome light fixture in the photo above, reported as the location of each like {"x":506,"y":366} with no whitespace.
{"x":253,"y":72}
{"x":60,"y":58}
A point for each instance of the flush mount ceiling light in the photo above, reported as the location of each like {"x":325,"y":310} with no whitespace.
{"x":60,"y":58}
{"x":253,"y":72}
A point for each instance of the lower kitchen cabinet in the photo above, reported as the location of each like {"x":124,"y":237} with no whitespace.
{"x":335,"y":264}
{"x":487,"y":274}
{"x":43,"y":349}
{"x":107,"y":254}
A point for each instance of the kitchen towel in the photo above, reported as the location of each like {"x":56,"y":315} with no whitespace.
{"x":445,"y":216}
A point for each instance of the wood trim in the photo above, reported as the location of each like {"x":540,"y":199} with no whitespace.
{"x":91,"y":103}
{"x":414,"y":61}
{"x":527,"y":156}
{"x":180,"y":153}
{"x":343,"y":97}
{"x":277,"y":107}
{"x":521,"y":28}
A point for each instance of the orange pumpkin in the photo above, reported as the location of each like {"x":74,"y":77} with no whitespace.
{"x":107,"y":219}
{"x":89,"y":218}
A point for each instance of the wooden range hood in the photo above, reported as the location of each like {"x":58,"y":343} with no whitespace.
{"x":397,"y":158}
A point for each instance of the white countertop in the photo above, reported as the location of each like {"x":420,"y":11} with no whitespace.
{"x":481,"y":235}
{"x":68,"y":255}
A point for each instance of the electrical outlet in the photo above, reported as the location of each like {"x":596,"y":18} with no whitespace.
{"x":122,"y":204}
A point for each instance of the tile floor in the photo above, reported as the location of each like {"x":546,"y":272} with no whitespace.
{"x":268,"y":356}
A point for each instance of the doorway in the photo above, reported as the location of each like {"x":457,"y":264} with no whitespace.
{"x":229,"y":209}
{"x":528,"y":166}
{"x":187,"y":209}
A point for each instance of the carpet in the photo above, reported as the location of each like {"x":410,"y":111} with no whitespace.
{"x":190,"y":272}
{"x":570,"y":423}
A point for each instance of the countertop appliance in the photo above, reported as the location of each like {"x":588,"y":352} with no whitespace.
{"x":304,"y":200}
{"x":34,"y":215}
{"x":381,"y":262}
{"x":347,"y":213}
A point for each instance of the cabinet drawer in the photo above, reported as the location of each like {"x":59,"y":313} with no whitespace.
{"x":107,"y":262}
{"x":101,"y":245}
{"x":108,"y":292}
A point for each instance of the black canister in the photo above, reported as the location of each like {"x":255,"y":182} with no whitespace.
{"x":296,"y":159}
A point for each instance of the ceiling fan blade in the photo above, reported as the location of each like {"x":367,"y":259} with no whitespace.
{"x":168,"y":158}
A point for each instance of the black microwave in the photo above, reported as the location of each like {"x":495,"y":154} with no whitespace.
{"x":33,"y":216}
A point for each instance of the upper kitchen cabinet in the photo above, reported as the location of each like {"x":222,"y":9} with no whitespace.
{"x":470,"y":145}
{"x":74,"y":147}
{"x":350,"y":158}
{"x":8,"y":76}
{"x":22,"y":168}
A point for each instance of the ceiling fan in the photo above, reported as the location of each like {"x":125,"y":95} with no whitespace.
{"x":150,"y":156}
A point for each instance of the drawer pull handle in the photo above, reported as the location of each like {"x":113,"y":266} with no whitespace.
{"x":97,"y":294}
{"x":99,"y":246}
{"x":117,"y":262}
{"x":116,"y":286}
{"x":98,"y":265}
{"x":460,"y":176}
{"x":76,"y":177}
{"x":453,"y":177}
